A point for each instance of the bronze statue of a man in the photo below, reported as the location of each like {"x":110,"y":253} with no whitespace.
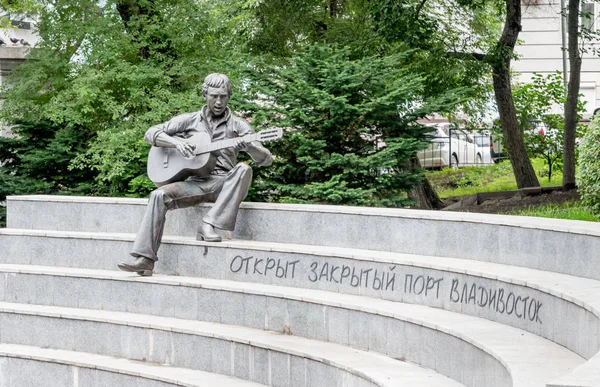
{"x":226,"y":186}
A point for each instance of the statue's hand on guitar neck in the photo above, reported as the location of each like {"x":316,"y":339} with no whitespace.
{"x":187,"y":149}
{"x":239,"y":144}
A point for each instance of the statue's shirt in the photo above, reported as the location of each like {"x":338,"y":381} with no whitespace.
{"x":219,"y":128}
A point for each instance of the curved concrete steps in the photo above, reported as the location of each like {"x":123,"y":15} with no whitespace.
{"x":587,"y":375}
{"x":447,"y":342}
{"x":22,"y":365}
{"x":471,"y":264}
{"x":561,"y":308}
{"x":261,"y":356}
{"x":536,"y":243}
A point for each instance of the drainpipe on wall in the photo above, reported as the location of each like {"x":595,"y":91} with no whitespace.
{"x":563,"y":28}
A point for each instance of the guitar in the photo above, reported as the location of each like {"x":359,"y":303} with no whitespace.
{"x":167,"y":165}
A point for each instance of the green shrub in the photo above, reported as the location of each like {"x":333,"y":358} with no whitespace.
{"x":2,"y":216}
{"x":588,"y":174}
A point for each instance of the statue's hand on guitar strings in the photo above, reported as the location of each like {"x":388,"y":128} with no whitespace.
{"x":186,"y":149}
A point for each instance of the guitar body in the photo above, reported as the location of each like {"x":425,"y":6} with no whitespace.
{"x":167,"y":165}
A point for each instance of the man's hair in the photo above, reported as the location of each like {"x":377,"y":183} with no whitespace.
{"x":216,"y":80}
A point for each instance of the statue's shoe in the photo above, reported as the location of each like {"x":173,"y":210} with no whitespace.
{"x":207,"y":233}
{"x":142,"y":265}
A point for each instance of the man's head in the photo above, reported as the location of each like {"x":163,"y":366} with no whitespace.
{"x":217,"y":91}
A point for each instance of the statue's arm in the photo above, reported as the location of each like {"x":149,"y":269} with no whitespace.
{"x":164,"y":135}
{"x":259,"y":154}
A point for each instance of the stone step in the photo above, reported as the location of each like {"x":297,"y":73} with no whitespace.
{"x":250,"y":354}
{"x":561,"y":308}
{"x":587,"y":375}
{"x":513,"y":240}
{"x":464,"y":348}
{"x":22,"y":365}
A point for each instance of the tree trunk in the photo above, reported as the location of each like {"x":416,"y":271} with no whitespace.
{"x":522,"y":168}
{"x":128,"y":9}
{"x":131,"y":9}
{"x":572,"y":96}
{"x":333,"y":5}
{"x":423,"y":193}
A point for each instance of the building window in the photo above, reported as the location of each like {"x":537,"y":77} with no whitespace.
{"x":589,"y":16}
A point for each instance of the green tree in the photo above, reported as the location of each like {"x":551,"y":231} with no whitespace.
{"x":543,"y":131}
{"x":347,"y":138}
{"x":581,"y":32}
{"x":279,"y":27}
{"x":492,"y":50}
{"x":109,"y":70}
{"x":571,"y":114}
{"x":106,"y":71}
{"x":380,"y":28}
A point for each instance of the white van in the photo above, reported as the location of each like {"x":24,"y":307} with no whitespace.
{"x":454,"y":151}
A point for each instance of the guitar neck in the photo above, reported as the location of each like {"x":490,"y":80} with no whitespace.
{"x":218,"y":145}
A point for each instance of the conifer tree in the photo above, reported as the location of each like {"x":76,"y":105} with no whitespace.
{"x":350,"y":126}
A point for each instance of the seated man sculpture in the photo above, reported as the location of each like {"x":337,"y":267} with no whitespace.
{"x":226,"y":186}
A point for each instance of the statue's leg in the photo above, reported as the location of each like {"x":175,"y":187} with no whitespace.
{"x":150,"y":232}
{"x":168,"y":197}
{"x":234,"y":190}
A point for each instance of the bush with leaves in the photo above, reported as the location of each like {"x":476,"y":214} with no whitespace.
{"x":350,"y":126}
{"x":37,"y":161}
{"x":588,"y":172}
{"x":542,"y":130}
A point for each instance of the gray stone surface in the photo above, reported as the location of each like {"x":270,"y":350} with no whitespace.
{"x":260,"y":365}
{"x":587,"y":375}
{"x":31,"y":373}
{"x":243,"y":359}
{"x":15,"y":54}
{"x":235,"y":351}
{"x":281,"y":366}
{"x":298,"y":371}
{"x":24,"y":366}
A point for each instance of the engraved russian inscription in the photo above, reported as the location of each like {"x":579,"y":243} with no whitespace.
{"x":397,"y":282}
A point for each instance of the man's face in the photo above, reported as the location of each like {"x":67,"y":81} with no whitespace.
{"x":216,"y":100}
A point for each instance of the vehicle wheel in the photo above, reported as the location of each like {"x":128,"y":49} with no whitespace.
{"x":478,"y":159}
{"x":454,"y":162}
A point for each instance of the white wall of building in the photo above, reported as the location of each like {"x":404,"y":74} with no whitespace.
{"x":13,"y":54}
{"x":541,"y":51}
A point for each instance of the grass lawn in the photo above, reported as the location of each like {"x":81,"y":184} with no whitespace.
{"x":469,"y":181}
{"x":569,"y":210}
{"x":489,"y":178}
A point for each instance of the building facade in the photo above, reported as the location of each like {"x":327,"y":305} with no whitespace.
{"x":13,"y":52}
{"x":541,"y":49}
